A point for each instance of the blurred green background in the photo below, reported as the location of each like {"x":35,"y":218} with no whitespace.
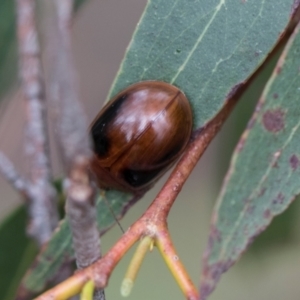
{"x":102,"y":30}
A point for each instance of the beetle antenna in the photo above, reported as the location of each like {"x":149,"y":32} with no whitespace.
{"x":111,"y":211}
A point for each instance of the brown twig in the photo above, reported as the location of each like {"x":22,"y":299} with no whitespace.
{"x":42,"y":207}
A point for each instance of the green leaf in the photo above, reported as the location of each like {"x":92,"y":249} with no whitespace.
{"x":264,"y":176}
{"x":8,"y":49}
{"x":78,"y":3}
{"x":205,"y":47}
{"x":59,"y":248}
{"x":16,"y":253}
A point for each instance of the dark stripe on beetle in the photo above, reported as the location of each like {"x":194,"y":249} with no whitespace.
{"x":99,"y":129}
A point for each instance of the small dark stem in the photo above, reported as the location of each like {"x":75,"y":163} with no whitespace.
{"x":42,"y":207}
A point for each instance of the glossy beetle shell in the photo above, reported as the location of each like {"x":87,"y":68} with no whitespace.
{"x":139,"y":134}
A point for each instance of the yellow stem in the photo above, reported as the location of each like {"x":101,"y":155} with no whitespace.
{"x":167,"y":251}
{"x":135,"y":264}
{"x":88,"y":291}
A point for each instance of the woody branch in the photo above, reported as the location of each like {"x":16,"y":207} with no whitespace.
{"x":42,"y":207}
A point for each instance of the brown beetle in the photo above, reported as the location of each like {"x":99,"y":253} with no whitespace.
{"x":139,"y":134}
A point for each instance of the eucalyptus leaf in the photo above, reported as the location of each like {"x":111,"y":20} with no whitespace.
{"x":78,"y":3}
{"x":264,"y":176}
{"x":205,"y":47}
{"x":16,"y":252}
{"x":8,"y":49}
